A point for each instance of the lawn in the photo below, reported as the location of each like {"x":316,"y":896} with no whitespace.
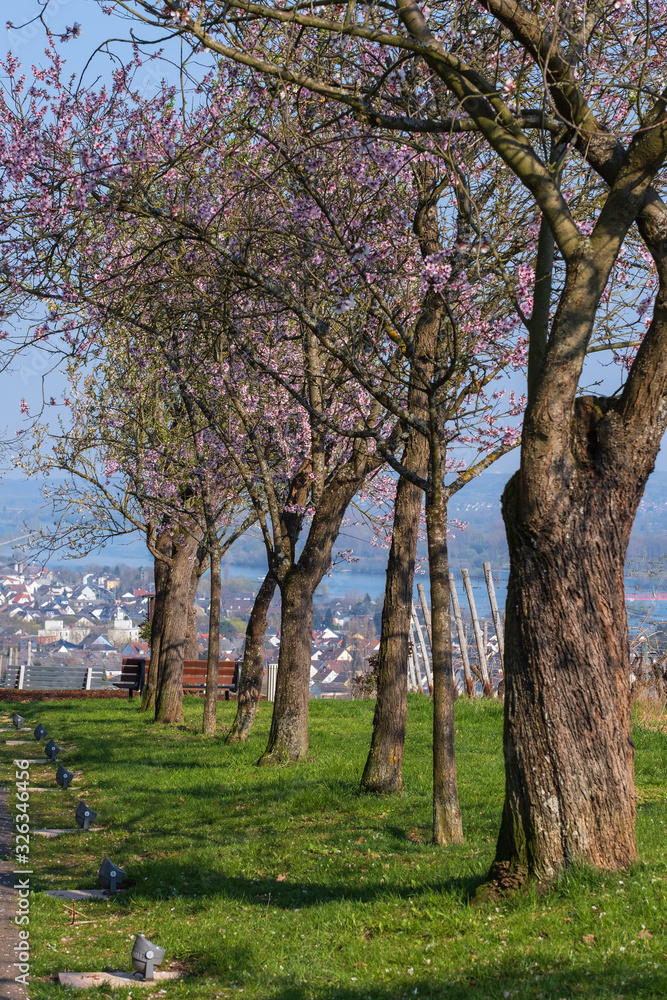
{"x":288,"y":883}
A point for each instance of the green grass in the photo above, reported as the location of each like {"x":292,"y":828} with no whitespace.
{"x":288,"y":883}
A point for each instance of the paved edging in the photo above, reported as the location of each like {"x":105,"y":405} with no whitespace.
{"x":9,"y":988}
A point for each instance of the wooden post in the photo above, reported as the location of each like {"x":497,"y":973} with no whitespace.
{"x":89,"y":678}
{"x":21,"y":677}
{"x":420,"y":685}
{"x":425,"y":611}
{"x":412,"y":673}
{"x":461,"y":632}
{"x":488,"y":690}
{"x":271,"y":675}
{"x":422,"y":646}
{"x":495,"y":613}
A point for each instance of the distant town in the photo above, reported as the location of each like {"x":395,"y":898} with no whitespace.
{"x":87,"y":615}
{"x":92,"y":618}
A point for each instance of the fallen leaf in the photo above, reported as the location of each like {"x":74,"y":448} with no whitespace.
{"x":646,"y":935}
{"x":589,"y":938}
{"x":281,"y":878}
{"x":360,"y":841}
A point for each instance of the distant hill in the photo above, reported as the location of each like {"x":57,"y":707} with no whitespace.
{"x":478,"y":505}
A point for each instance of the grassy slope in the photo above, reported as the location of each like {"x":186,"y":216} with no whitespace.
{"x":287,"y":883}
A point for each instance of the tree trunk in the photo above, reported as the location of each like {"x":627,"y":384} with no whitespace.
{"x":569,"y":759}
{"x":447,"y":823}
{"x":168,"y":703}
{"x":211,"y":695}
{"x":568,"y":750}
{"x":382,"y":772}
{"x":288,"y":739}
{"x":252,"y":671}
{"x":161,"y":575}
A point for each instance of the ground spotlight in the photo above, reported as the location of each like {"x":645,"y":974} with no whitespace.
{"x":145,"y":956}
{"x":110,"y":876}
{"x":84,"y":816}
{"x":40,"y":732}
{"x":63,"y":776}
{"x":18,"y":720}
{"x":51,"y":750}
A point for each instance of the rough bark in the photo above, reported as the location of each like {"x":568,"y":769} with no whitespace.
{"x":163,"y":544}
{"x":447,"y":822}
{"x":569,"y":513}
{"x":568,"y":750}
{"x":252,"y":671}
{"x":211,"y":693}
{"x":168,"y":702}
{"x":288,"y":738}
{"x":382,"y":772}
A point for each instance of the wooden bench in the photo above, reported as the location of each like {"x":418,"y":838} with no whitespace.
{"x":194,"y":676}
{"x":132,"y":675}
{"x":134,"y":669}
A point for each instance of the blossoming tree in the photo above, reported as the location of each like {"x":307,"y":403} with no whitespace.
{"x":564,"y":97}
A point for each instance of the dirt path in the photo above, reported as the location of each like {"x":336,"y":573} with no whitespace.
{"x":9,"y":989}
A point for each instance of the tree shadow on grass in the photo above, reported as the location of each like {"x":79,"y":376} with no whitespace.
{"x":166,"y":878}
{"x":493,"y":981}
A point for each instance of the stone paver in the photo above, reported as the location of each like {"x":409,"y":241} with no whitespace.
{"x":9,"y":988}
{"x":86,"y":980}
{"x":82,"y":894}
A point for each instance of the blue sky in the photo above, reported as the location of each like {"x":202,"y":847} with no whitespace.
{"x":30,"y":377}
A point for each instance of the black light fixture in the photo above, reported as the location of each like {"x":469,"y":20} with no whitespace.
{"x":18,"y":720}
{"x":145,"y":956}
{"x":110,"y":876}
{"x":52,"y":750}
{"x":63,"y":776}
{"x":84,"y":816}
{"x":40,"y":732}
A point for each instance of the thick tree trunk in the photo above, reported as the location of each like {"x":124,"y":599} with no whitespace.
{"x":168,"y":703}
{"x":382,"y":772}
{"x":252,"y":671}
{"x":288,"y":739}
{"x":211,"y":695}
{"x":568,"y":750}
{"x":584,"y":464}
{"x":447,"y":822}
{"x":161,"y":576}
